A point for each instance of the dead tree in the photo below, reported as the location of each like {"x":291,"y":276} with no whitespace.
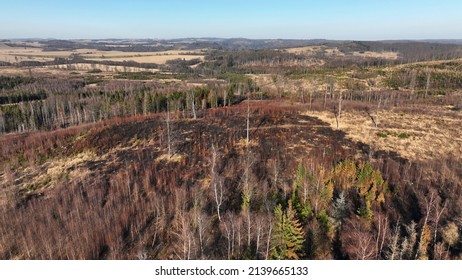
{"x":377,"y":112}
{"x":422,"y":246}
{"x":427,"y":86}
{"x":339,"y":112}
{"x":413,"y":82}
{"x":169,"y":136}
{"x":394,"y":246}
{"x":193,"y":104}
{"x":217,"y":184}
{"x":438,"y":213}
{"x":248,"y":121}
{"x":329,"y":89}
{"x":268,"y":239}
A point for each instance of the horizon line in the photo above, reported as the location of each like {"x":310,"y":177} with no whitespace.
{"x":224,"y":38}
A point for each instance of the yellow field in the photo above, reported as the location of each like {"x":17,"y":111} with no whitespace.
{"x":384,"y":55}
{"x":329,"y":51}
{"x":13,"y":55}
{"x":32,"y":51}
{"x":18,"y":54}
{"x":413,"y":136}
{"x":158,"y":58}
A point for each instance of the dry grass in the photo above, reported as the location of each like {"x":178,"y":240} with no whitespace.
{"x":384,"y":55}
{"x":313,"y":50}
{"x":266,"y":83}
{"x":27,"y":53}
{"x":413,"y":136}
{"x":70,"y":166}
{"x":37,"y":179}
{"x":102,"y":67}
{"x":26,"y":71}
{"x":17,"y":54}
{"x":149,"y":57}
{"x":304,"y":50}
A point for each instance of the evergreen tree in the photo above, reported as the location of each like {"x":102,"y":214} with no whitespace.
{"x":288,"y":238}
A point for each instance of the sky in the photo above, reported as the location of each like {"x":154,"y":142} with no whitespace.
{"x":254,"y":19}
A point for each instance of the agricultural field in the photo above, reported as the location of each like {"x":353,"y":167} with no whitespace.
{"x":34,"y":55}
{"x":230,"y":149}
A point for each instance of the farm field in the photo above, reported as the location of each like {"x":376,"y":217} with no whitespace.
{"x":34,"y":53}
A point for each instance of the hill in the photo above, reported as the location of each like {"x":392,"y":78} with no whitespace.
{"x":336,"y":150}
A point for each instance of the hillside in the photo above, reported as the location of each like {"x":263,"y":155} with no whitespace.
{"x":111,"y":191}
{"x":240,"y":150}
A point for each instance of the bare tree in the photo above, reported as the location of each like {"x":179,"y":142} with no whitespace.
{"x":438,"y":213}
{"x":413,"y":82}
{"x":427,"y":86}
{"x":193,"y":104}
{"x":201,"y":227}
{"x":181,"y":227}
{"x":268,"y":238}
{"x":145,"y":102}
{"x":423,"y":240}
{"x":247,"y":193}
{"x":312,"y":88}
{"x":393,"y":247}
{"x":339,"y":112}
{"x":382,"y":226}
{"x":377,"y":112}
{"x":358,"y":241}
{"x":248,"y":121}
{"x":169,"y":136}
{"x":329,"y":89}
{"x":217,"y":184}
{"x":228,"y":227}
{"x":225,"y":97}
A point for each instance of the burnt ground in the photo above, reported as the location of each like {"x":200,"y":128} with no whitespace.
{"x":127,"y":195}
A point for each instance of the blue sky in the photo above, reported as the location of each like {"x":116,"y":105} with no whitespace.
{"x":287,"y":19}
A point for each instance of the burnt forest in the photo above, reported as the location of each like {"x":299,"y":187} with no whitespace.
{"x":230,"y":149}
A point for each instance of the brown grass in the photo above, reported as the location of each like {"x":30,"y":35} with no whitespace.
{"x":414,"y":136}
{"x":104,"y":68}
{"x":313,"y":50}
{"x":11,"y":54}
{"x":384,"y":55}
{"x":150,"y":57}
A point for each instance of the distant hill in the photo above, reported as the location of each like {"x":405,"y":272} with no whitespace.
{"x":409,"y":50}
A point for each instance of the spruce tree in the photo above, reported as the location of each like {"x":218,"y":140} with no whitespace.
{"x":289,"y":237}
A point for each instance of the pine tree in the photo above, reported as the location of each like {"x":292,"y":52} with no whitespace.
{"x":288,"y":238}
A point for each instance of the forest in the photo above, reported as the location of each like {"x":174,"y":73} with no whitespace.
{"x":230,"y":149}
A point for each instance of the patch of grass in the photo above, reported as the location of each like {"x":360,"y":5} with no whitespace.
{"x":95,"y":71}
{"x":22,"y":160}
{"x":62,"y":176}
{"x":41,"y":158}
{"x":93,"y":79}
{"x":233,"y":77}
{"x":382,"y":134}
{"x":135,"y":76}
{"x":145,"y":75}
{"x":403,"y":135}
{"x":386,"y":133}
{"x":32,"y":187}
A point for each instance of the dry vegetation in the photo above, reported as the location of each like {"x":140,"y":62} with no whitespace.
{"x":417,"y":136}
{"x":132,"y":151}
{"x":153,"y":57}
{"x":29,"y":53}
{"x":335,"y":52}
